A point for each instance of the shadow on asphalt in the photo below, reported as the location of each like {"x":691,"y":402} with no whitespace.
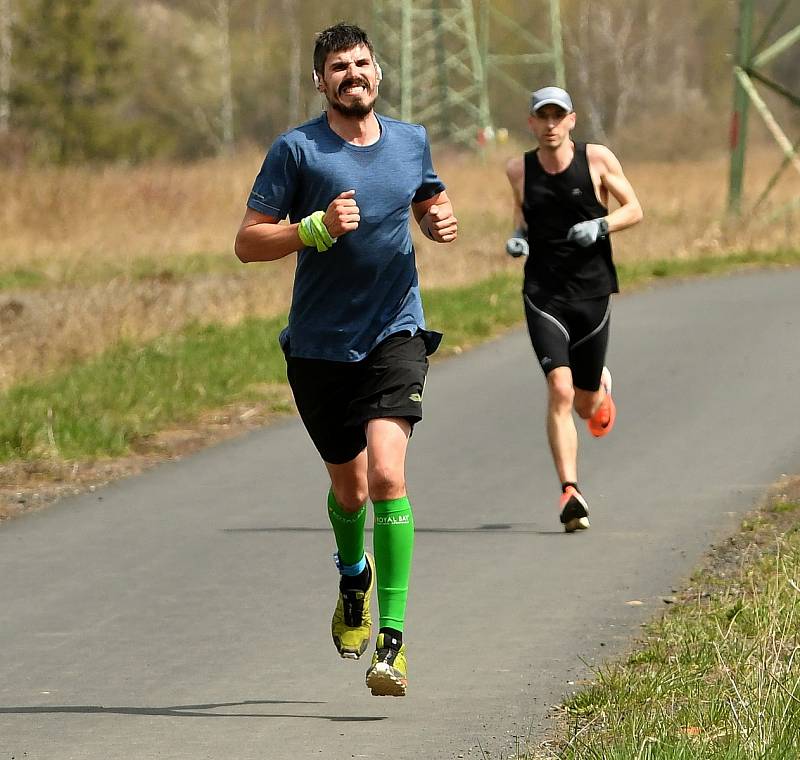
{"x":520,"y":528}
{"x":188,"y":711}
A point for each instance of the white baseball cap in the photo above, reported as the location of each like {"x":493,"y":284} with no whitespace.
{"x":551,"y":96}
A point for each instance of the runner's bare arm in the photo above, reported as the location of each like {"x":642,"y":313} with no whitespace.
{"x":262,"y":238}
{"x":613,"y":181}
{"x":435,"y":218}
{"x":515,"y":171}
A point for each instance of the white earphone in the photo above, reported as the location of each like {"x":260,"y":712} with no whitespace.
{"x":378,"y":76}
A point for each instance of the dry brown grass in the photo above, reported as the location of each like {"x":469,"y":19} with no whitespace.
{"x":60,"y":219}
{"x":63,"y":222}
{"x":44,"y":330}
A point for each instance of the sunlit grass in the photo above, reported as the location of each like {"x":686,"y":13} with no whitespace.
{"x":103,"y":407}
{"x":100,"y":406}
{"x":132,"y":253}
{"x":89,"y":272}
{"x":718,"y":677}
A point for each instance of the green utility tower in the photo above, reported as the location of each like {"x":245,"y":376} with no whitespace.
{"x":547,"y":52}
{"x":750,"y":60}
{"x":440,"y":66}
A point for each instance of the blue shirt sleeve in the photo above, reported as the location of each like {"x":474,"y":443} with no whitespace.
{"x":430,"y":184}
{"x":275,"y":186}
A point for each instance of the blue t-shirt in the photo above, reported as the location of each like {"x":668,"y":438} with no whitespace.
{"x":348,"y":299}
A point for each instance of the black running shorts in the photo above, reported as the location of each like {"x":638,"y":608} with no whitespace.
{"x":336,"y":399}
{"x":570,"y":334}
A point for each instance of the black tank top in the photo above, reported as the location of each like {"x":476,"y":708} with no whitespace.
{"x":551,"y":204}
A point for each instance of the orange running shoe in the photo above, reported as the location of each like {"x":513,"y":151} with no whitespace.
{"x":601,"y":422}
{"x":574,"y":510}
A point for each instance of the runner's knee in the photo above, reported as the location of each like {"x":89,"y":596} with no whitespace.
{"x":562,"y":394}
{"x":350,"y":490}
{"x":385,"y":483}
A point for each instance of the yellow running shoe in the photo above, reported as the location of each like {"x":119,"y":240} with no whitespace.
{"x":388,"y":674}
{"x":351,"y":626}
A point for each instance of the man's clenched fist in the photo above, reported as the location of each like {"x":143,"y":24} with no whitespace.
{"x":517,"y":244}
{"x":342,"y":215}
{"x":439,"y":224}
{"x":586,"y":233}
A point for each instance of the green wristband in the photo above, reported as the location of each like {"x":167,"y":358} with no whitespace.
{"x":321,"y":234}
{"x":305,"y":233}
{"x":313,"y":232}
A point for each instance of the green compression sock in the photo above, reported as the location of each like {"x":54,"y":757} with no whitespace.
{"x":394,"y":546}
{"x":348,"y":527}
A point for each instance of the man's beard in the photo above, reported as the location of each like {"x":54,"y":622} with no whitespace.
{"x":357,"y":109}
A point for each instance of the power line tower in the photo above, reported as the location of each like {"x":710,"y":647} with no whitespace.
{"x":440,"y":65}
{"x":535,"y":51}
{"x":750,"y":62}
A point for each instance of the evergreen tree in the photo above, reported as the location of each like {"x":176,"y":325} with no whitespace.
{"x":70,"y":65}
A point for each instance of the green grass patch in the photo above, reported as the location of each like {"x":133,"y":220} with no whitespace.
{"x":103,"y":407}
{"x":718,"y":677}
{"x":21,"y":279}
{"x":785,"y":506}
{"x":639,"y":272}
{"x":180,"y":267}
{"x":89,"y":271}
{"x":86,"y":271}
{"x":471,"y":314}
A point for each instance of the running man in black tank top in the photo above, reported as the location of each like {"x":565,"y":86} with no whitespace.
{"x":561,"y":192}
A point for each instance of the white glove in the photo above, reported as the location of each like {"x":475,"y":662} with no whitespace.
{"x":587,"y":233}
{"x":517,"y":245}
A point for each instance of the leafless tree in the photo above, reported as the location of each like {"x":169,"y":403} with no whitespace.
{"x":292,"y":26}
{"x":6,"y":63}
{"x":608,"y":52}
{"x":222,"y":17}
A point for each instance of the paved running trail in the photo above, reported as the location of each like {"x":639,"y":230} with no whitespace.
{"x":184,"y":614}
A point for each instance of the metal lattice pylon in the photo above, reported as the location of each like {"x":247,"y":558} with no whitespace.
{"x":432,"y":66}
{"x":548,"y":52}
{"x":751,"y":58}
{"x":440,"y":66}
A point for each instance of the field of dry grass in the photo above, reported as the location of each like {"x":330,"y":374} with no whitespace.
{"x":79,"y":236}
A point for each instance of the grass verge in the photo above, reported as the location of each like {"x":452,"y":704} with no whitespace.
{"x":176,"y":268}
{"x":85,"y":272}
{"x":719,"y":676}
{"x":640,"y":272}
{"x":114,"y":403}
{"x":21,"y":279}
{"x":105,"y":407}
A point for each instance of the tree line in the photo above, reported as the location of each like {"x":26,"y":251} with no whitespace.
{"x":132,"y":80}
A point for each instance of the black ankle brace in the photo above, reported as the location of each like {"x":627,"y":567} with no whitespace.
{"x":359,"y":582}
{"x":393,"y":636}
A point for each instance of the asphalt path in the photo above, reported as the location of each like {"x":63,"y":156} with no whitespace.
{"x":185,"y":613}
